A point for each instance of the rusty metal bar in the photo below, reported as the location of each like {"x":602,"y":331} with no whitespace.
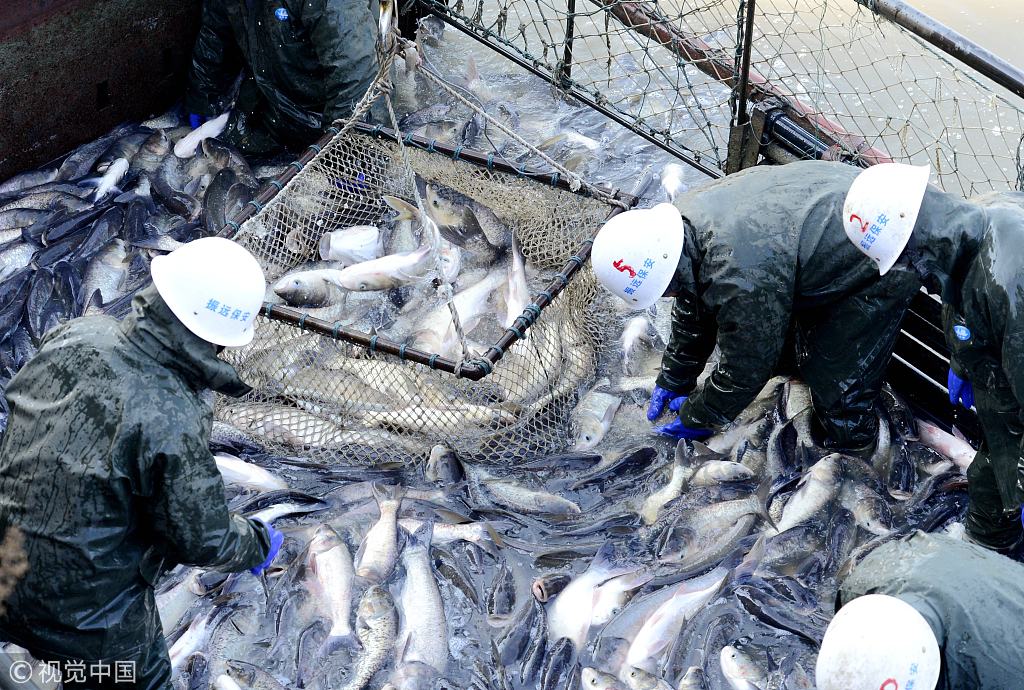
{"x":742,"y":118}
{"x":645,"y":20}
{"x":570,"y":29}
{"x":950,"y":42}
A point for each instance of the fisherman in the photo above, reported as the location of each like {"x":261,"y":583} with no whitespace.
{"x":975,"y":267}
{"x":759,"y":263}
{"x":922,"y":612}
{"x":106,"y":471}
{"x":303,"y":65}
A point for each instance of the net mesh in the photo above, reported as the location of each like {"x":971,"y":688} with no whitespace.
{"x":844,"y":67}
{"x":327,"y":398}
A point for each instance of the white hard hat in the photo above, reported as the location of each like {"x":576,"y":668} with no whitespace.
{"x":878,"y":642}
{"x":881,"y":209}
{"x":214,"y":286}
{"x":636,"y":253}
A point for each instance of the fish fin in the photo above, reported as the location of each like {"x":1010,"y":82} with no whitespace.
{"x":609,"y":414}
{"x":406,"y":210}
{"x":763,"y":493}
{"x":751,"y":562}
{"x":493,"y":534}
{"x":472,"y":71}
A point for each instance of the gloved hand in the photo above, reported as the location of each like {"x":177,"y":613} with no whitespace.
{"x":659,"y":397}
{"x":276,"y":539}
{"x":960,"y":390}
{"x":195,"y":121}
{"x":676,"y":429}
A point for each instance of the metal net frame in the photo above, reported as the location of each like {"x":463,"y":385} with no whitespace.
{"x":867,"y":88}
{"x":339,"y":389}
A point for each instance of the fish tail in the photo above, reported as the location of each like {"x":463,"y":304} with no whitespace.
{"x":761,"y":506}
{"x":387,"y":492}
{"x":422,"y":535}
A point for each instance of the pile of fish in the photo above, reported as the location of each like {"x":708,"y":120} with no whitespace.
{"x":78,"y":235}
{"x":649,"y":565}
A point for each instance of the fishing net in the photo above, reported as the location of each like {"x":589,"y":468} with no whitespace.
{"x":860,"y":83}
{"x":333,"y":399}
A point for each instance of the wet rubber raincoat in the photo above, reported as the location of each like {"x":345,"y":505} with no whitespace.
{"x":766,"y":263}
{"x":106,"y":470}
{"x":305,"y":63}
{"x":984,"y":321}
{"x":972,"y":598}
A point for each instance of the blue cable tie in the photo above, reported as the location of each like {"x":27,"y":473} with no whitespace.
{"x":302,"y":321}
{"x":233,"y":224}
{"x":401,"y":351}
{"x":522,"y":170}
{"x":377,"y":130}
{"x":430,"y":146}
{"x":516,"y":330}
{"x":337,"y":327}
{"x":458,"y":151}
{"x":373,"y":343}
{"x":484,"y":364}
{"x":561,"y":278}
{"x":277,"y":184}
{"x":534,"y":310}
{"x":297,"y":165}
{"x":316,"y":149}
{"x":554,"y":179}
{"x":578,"y":260}
{"x":267,"y":308}
{"x":335,"y":131}
{"x":490,"y":161}
{"x":497,"y":348}
{"x":431,"y":362}
{"x":545,"y":294}
{"x":408,"y":140}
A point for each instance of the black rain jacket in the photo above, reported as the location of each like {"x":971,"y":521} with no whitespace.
{"x":106,"y":470}
{"x":311,"y":60}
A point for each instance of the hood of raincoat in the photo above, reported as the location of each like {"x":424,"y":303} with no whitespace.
{"x":946,"y":238}
{"x":154,"y":328}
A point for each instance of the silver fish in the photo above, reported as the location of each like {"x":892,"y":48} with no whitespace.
{"x":571,"y":612}
{"x":693,"y":679}
{"x":187,"y":145}
{"x":592,"y":679}
{"x":352,"y":245}
{"x":311,"y":287}
{"x":672,"y":176}
{"x":376,"y":628}
{"x":394,"y":270}
{"x":639,"y":679}
{"x":741,"y":671}
{"x":378,"y":552}
{"x":424,"y":631}
{"x":719,"y":471}
{"x":196,"y":636}
{"x":637,"y":333}
{"x":330,"y":563}
{"x":517,"y":290}
{"x":664,"y":626}
{"x":615,"y":593}
{"x":106,"y":271}
{"x":670,"y":491}
{"x":238,"y":472}
{"x":818,"y":487}
{"x":593,"y":416}
{"x":521,"y":498}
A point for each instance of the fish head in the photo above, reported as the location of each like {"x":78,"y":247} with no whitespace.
{"x":360,"y":278}
{"x":375,"y":606}
{"x":592,"y":679}
{"x":638,"y":679}
{"x":737,"y":665}
{"x":693,"y":679}
{"x":444,"y":205}
{"x":302,"y":290}
{"x":442,"y":465}
{"x":589,"y":433}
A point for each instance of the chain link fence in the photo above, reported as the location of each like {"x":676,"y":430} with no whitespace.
{"x":868,"y":89}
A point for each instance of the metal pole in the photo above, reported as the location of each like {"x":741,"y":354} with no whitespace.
{"x":949,"y":41}
{"x":570,"y":29}
{"x":742,"y":116}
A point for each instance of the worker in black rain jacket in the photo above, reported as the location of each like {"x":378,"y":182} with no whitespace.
{"x":979,"y":273}
{"x":303,"y":63}
{"x":759,"y":263}
{"x":106,"y":471}
{"x":926,"y":612}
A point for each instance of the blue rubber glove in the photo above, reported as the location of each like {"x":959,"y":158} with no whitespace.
{"x":677,"y":403}
{"x":960,"y":390}
{"x":195,"y":121}
{"x":659,"y":398}
{"x":676,"y":429}
{"x":276,"y":539}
